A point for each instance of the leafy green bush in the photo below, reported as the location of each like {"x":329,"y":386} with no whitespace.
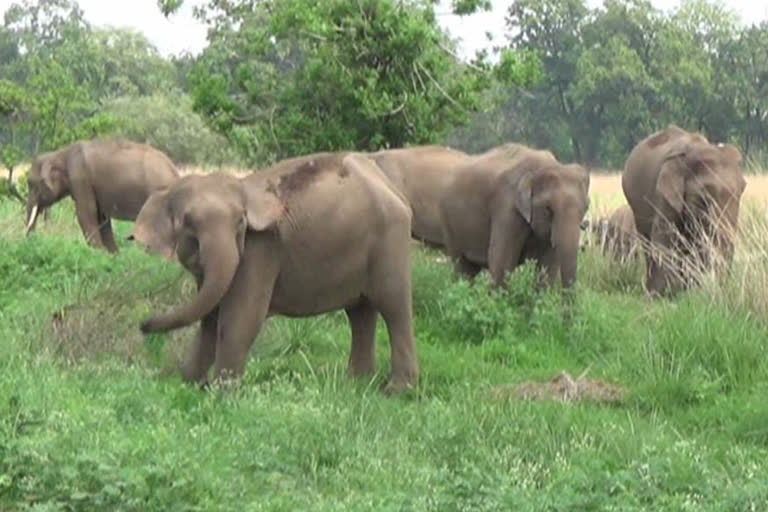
{"x":475,"y":312}
{"x":167,"y":122}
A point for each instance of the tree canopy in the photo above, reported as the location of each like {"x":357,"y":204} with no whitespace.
{"x":615,"y":73}
{"x":287,"y":78}
{"x":278,"y":79}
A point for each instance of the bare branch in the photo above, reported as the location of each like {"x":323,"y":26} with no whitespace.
{"x":440,"y":88}
{"x":451,"y":53}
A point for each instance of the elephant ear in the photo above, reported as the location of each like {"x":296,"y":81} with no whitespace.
{"x":523,"y":188}
{"x":524,"y":196}
{"x":670,"y":184}
{"x":262,"y":206}
{"x":155,"y":227}
{"x":52,"y":176}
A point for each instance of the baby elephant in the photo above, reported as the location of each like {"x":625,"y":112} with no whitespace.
{"x":106,"y":179}
{"x":514,"y":203}
{"x":307,"y":236}
{"x":616,"y":234}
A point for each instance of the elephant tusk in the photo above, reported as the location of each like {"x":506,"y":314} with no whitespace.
{"x":32,"y":218}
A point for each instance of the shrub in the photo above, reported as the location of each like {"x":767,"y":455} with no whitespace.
{"x":167,"y":122}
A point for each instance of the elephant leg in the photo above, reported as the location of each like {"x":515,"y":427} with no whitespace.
{"x":390,"y":294}
{"x":47,"y":214}
{"x":107,"y":236}
{"x":87,"y":212}
{"x":203,"y":352}
{"x":362,"y":321}
{"x":509,"y":233}
{"x":465,"y":268}
{"x":244,"y":307}
{"x":660,"y":262}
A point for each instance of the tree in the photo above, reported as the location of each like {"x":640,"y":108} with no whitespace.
{"x":287,"y":78}
{"x":552,"y":29}
{"x":65,"y":70}
{"x":615,"y":73}
{"x":12,"y":105}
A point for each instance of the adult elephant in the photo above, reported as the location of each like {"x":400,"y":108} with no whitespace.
{"x":514,"y":203}
{"x":615,"y":234}
{"x":106,"y":179}
{"x":307,"y":236}
{"x":421,"y":173}
{"x":684,"y":192}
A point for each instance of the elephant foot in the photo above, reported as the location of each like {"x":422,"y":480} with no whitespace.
{"x":192,"y":375}
{"x":357,"y":370}
{"x":222,"y":384}
{"x":397,"y":386}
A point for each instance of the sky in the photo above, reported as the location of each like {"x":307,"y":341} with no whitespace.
{"x":181,"y":32}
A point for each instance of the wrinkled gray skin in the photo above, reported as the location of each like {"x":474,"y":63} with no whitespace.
{"x":615,"y":235}
{"x":511,"y":204}
{"x":681,"y":187}
{"x":307,"y":236}
{"x":421,"y":174}
{"x":106,"y":179}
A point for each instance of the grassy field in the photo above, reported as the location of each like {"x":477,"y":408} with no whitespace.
{"x":94,"y":417}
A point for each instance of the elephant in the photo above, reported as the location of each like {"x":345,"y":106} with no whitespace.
{"x":511,"y":204}
{"x":107,"y":178}
{"x":421,"y":173}
{"x":616,"y":234}
{"x":307,"y":236}
{"x":683,"y":191}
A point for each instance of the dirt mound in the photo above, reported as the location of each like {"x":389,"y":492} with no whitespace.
{"x":563,"y":388}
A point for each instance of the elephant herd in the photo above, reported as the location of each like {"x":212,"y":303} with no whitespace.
{"x":331,"y":231}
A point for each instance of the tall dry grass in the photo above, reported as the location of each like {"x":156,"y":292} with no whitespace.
{"x":742,"y":287}
{"x":606,"y":192}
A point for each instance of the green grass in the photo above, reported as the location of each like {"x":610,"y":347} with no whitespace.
{"x":94,"y":417}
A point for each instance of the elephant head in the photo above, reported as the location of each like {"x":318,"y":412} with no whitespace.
{"x":553,"y":199}
{"x":48,"y":182}
{"x":202,"y":220}
{"x":700,"y":187}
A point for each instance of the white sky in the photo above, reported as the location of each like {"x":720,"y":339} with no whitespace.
{"x":182,"y":32}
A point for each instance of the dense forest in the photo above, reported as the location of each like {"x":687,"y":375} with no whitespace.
{"x":279,"y":79}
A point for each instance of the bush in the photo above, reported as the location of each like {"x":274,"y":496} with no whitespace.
{"x":167,"y":122}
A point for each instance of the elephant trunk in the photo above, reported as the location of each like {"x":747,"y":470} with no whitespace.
{"x":32,"y":211}
{"x":219,"y":257}
{"x":565,"y":237}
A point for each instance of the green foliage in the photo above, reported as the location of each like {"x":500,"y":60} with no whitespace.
{"x":167,"y":122}
{"x":59,"y":72}
{"x":109,"y":428}
{"x":616,"y":72}
{"x":464,"y":7}
{"x":168,"y":7}
{"x":288,"y":78}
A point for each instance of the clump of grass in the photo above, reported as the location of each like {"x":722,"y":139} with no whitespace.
{"x":741,"y":286}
